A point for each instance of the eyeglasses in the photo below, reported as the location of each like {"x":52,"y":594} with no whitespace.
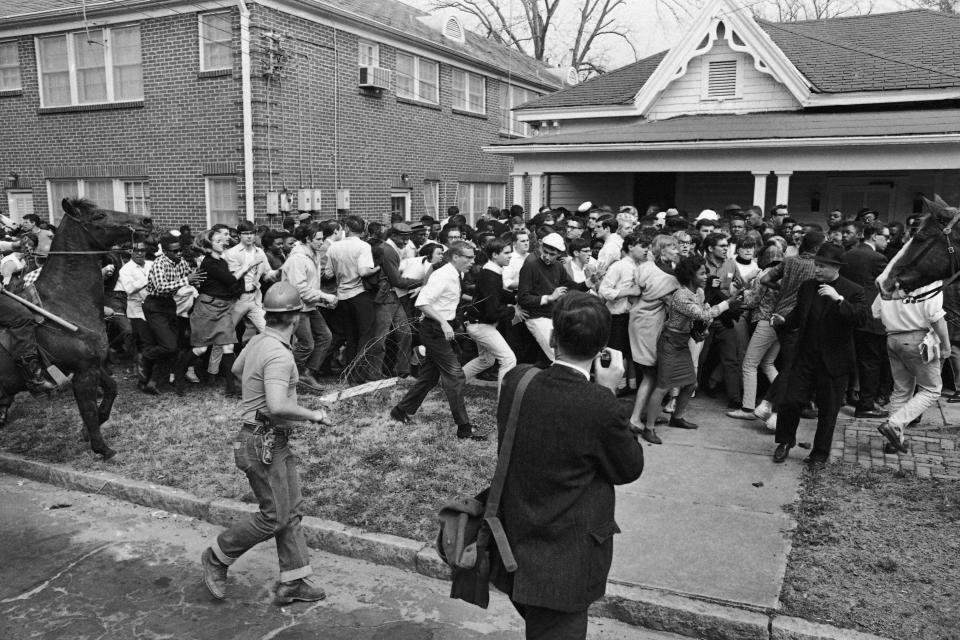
{"x":469,"y":257}
{"x":721,"y":246}
{"x":574,"y":226}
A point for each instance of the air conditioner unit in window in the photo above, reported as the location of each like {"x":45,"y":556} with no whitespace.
{"x":374,"y":78}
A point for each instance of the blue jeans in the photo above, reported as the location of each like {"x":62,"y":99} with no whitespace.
{"x":277,"y":488}
{"x":441,"y":364}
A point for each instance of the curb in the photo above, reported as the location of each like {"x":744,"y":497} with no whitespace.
{"x":649,"y":608}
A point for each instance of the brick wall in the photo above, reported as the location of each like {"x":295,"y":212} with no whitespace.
{"x":312,"y":125}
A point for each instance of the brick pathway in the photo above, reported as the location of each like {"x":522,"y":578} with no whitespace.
{"x":932,"y":453}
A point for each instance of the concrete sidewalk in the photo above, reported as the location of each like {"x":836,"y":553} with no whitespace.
{"x":706,"y":518}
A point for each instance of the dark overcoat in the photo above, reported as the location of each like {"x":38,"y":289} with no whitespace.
{"x":826,"y":327}
{"x":573,"y":444}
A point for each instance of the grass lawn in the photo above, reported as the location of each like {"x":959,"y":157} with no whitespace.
{"x":877,"y":551}
{"x":366,"y":471}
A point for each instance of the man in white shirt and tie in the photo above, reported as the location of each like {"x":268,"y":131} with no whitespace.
{"x":438,"y":301}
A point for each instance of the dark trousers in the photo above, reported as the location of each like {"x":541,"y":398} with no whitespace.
{"x":620,"y":335}
{"x":359,"y":314}
{"x":165,"y":329}
{"x":313,"y":340}
{"x":788,"y":356}
{"x":550,"y":624}
{"x":729,"y":346}
{"x":808,"y":380}
{"x":19,"y":321}
{"x":442,"y":364}
{"x":141,"y":332}
{"x":870,"y":352}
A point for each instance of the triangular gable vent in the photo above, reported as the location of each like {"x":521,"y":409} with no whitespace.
{"x":722,"y":79}
{"x":452,"y":29}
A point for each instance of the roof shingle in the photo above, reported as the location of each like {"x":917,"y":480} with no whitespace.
{"x":915,"y":49}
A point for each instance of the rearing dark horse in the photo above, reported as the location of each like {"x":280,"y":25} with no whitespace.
{"x":933,"y":253}
{"x":71,"y":286}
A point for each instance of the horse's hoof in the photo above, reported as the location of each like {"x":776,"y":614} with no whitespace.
{"x":108,"y":453}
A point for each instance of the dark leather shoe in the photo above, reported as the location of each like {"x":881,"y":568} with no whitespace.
{"x":149,"y":387}
{"x":783,"y":450}
{"x":399,"y":416}
{"x":809,"y":413}
{"x":301,"y":590}
{"x":955,"y":398}
{"x":472,"y":433}
{"x":893,"y":438}
{"x":815,"y":464}
{"x":214,"y":574}
{"x":650,"y":436}
{"x":871,"y":413}
{"x":680,"y":423}
{"x":852,"y":398}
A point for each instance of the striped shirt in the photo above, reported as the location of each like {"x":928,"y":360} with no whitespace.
{"x":791,"y":273}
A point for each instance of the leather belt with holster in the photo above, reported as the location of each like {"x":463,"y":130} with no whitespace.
{"x":267,"y":436}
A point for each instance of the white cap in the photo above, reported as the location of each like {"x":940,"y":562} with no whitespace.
{"x":554,"y":240}
{"x":708,"y":214}
{"x":586,"y":206}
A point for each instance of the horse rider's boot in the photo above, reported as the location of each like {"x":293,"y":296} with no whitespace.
{"x":231,"y":390}
{"x":180,"y":371}
{"x":29,"y":365}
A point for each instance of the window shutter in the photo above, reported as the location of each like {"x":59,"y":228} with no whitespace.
{"x":722,"y":79}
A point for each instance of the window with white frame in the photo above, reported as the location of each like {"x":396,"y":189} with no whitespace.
{"x":431,"y":198}
{"x":216,"y":35}
{"x":118,"y":194}
{"x":418,"y":78}
{"x":9,"y":67}
{"x":90,"y":67}
{"x":473,"y":198}
{"x":221,"y":200}
{"x":510,"y":97}
{"x":368,"y":54}
{"x":20,"y":203}
{"x":468,"y":91}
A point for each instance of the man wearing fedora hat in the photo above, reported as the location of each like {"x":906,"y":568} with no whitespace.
{"x":828,"y":309}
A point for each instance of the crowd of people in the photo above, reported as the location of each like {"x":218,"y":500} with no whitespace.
{"x":704,"y":304}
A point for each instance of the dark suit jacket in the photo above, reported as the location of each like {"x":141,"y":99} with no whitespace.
{"x":864,"y":264}
{"x":572,"y":445}
{"x":390,"y":276}
{"x":826,"y":327}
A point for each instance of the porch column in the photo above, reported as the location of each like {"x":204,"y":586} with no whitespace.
{"x":783,"y":186}
{"x":517,"y":189}
{"x":536,"y":192}
{"x":760,"y":188}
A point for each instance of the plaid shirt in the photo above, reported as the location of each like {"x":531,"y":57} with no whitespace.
{"x":792,"y":272}
{"x":167,"y":276}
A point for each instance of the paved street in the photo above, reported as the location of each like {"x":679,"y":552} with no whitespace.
{"x":79,"y":566}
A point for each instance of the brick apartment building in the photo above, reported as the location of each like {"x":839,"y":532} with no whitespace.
{"x":203,"y":112}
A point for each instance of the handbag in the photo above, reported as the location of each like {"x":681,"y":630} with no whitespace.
{"x":471,"y":535}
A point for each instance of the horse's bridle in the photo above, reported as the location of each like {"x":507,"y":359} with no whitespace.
{"x":954,"y":261}
{"x":92,"y":237}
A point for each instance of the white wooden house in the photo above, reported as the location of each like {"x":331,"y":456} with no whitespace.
{"x":841,"y":113}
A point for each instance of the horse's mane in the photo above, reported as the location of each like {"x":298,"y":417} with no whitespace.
{"x":83,"y":206}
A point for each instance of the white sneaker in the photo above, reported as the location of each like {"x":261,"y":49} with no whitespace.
{"x":763,"y":410}
{"x":191,"y":376}
{"x":671,"y":405}
{"x":771,"y":422}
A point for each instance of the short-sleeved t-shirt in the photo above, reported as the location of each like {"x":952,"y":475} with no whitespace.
{"x":267,"y":359}
{"x":344,"y":260}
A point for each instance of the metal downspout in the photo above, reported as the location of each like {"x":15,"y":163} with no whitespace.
{"x":247,"y":98}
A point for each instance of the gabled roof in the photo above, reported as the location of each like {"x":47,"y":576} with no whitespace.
{"x":915,"y":49}
{"x":391,"y":14}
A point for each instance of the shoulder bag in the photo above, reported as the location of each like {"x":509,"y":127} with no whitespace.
{"x":468,"y":524}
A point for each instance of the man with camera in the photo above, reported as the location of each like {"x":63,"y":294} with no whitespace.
{"x":572,"y":445}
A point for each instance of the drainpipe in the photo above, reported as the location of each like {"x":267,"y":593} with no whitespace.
{"x":247,"y":98}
